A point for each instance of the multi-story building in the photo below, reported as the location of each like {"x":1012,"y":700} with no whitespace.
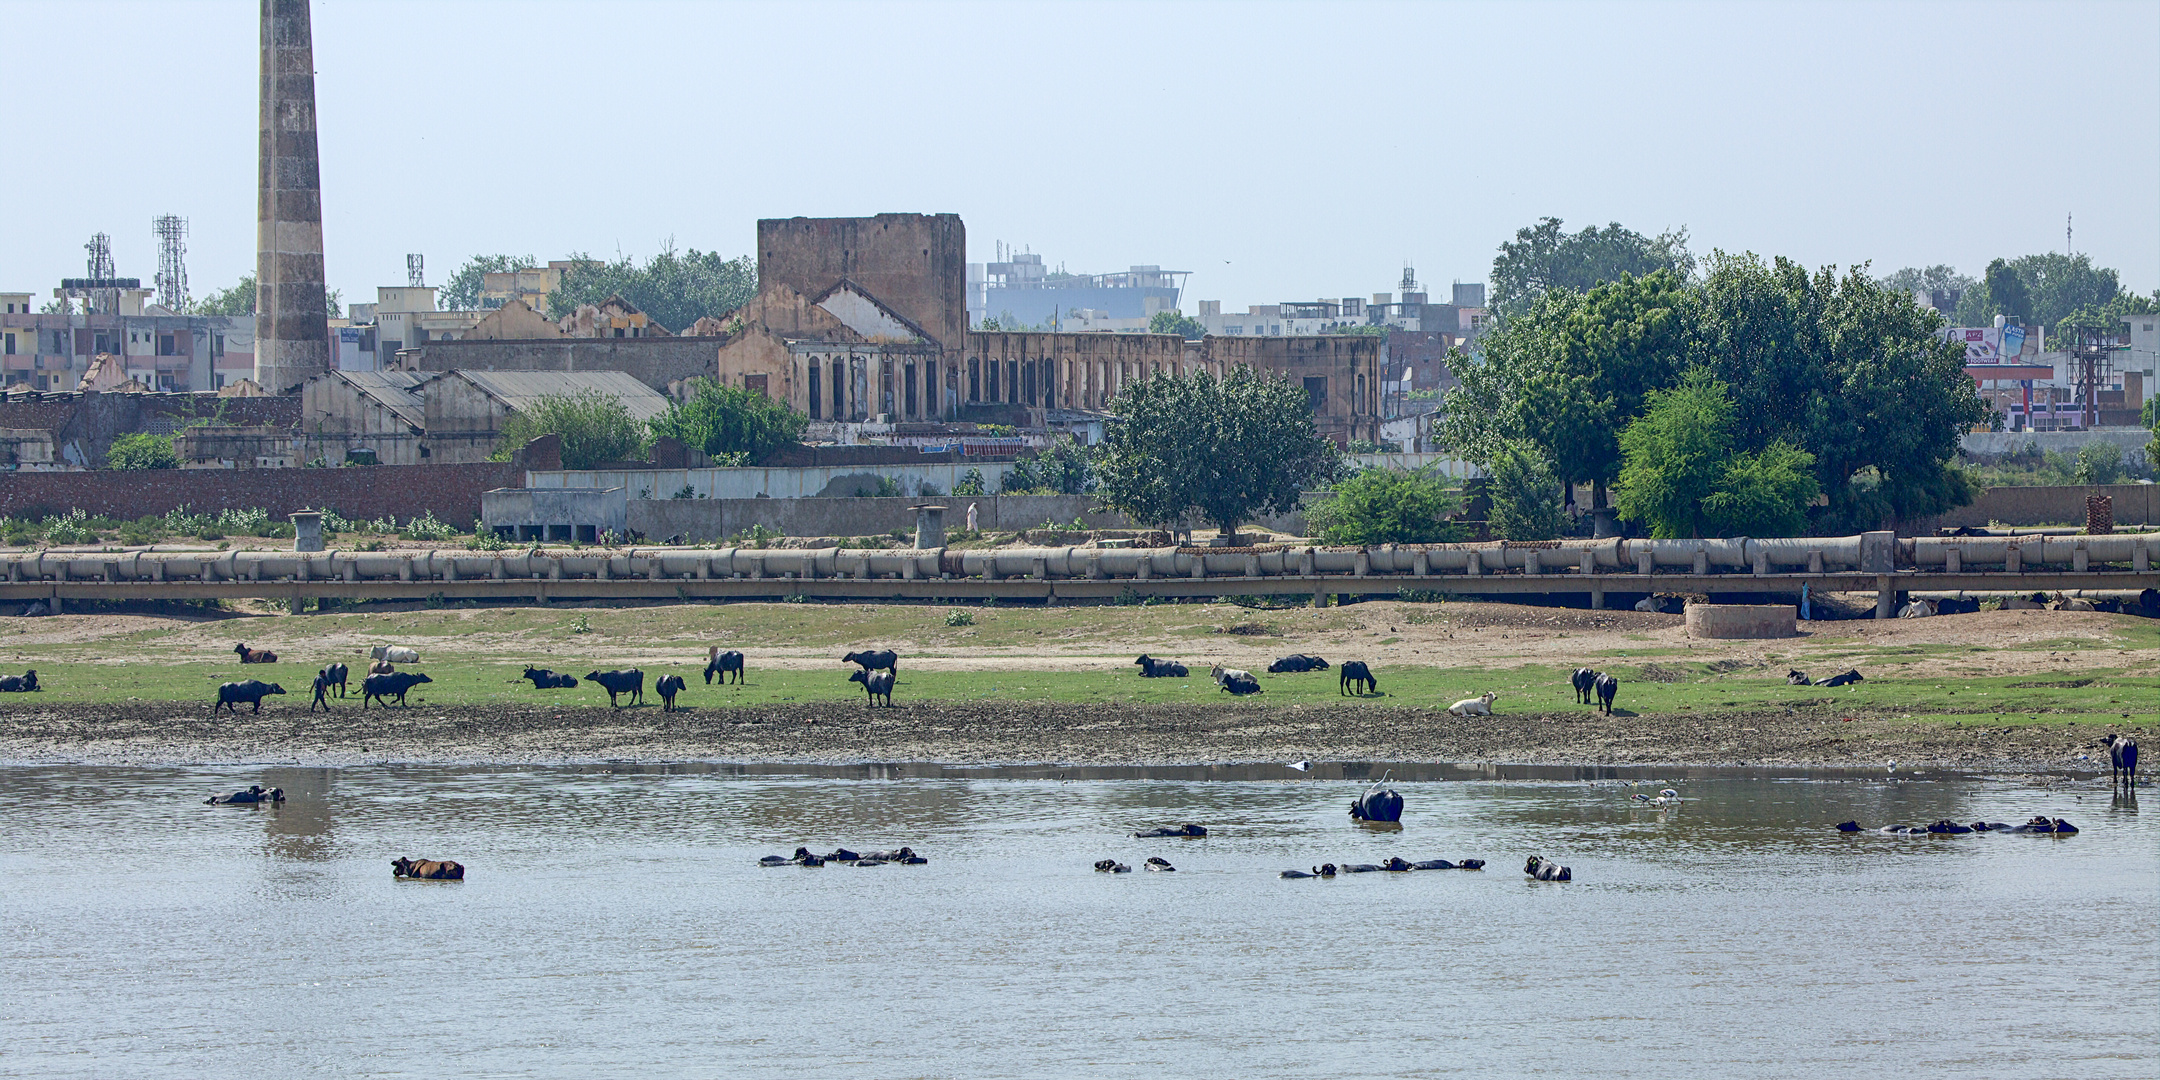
{"x":1464,"y":317}
{"x":156,"y":348}
{"x":1018,"y":287}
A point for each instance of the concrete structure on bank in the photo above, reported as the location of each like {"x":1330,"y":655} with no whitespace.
{"x":292,"y":327}
{"x":465,"y":410}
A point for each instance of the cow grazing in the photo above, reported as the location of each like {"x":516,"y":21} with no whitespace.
{"x":395,"y":654}
{"x":1151,"y":668}
{"x":875,"y":660}
{"x":230,"y":695}
{"x":667,"y":688}
{"x":1477,"y":706}
{"x":2122,"y":758}
{"x":1297,"y":662}
{"x":1355,"y":673}
{"x":876,"y":683}
{"x":254,"y":656}
{"x":1582,"y":681}
{"x":19,"y":684}
{"x":426,"y":870}
{"x":1798,"y":678}
{"x":394,"y":685}
{"x":1607,"y":688}
{"x":335,"y":675}
{"x":1545,"y":870}
{"x":1846,"y":679}
{"x":617,"y":683}
{"x":1239,"y":683}
{"x":721,"y":663}
{"x":543,"y":679}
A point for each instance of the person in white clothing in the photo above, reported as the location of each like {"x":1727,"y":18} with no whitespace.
{"x":971,"y":517}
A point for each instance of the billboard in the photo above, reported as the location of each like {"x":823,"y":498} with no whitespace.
{"x":1989,"y":345}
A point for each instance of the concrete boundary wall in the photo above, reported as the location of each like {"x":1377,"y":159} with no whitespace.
{"x":1993,"y":443}
{"x":2135,"y":504}
{"x":700,"y":521}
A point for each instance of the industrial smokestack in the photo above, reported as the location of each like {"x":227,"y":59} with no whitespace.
{"x":292,"y":332}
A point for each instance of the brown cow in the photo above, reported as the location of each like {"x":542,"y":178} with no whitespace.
{"x":427,"y":870}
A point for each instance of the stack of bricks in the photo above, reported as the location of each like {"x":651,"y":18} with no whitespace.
{"x":2099,"y":515}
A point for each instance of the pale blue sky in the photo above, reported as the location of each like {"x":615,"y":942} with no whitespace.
{"x":1279,"y":151}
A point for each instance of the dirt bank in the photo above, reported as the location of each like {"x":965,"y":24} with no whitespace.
{"x":976,"y":733}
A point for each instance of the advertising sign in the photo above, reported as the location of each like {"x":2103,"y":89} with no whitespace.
{"x":1983,"y":344}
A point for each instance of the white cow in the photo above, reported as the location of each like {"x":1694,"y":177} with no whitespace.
{"x":1918,"y":609}
{"x":1477,"y":706}
{"x":395,"y":654}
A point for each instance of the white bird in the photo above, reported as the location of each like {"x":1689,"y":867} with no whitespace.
{"x":1668,"y":793}
{"x":1301,"y":766}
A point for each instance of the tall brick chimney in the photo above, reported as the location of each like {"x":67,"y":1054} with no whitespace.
{"x":292,"y":333}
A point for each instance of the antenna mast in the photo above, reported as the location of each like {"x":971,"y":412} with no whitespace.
{"x":172,"y":284}
{"x":415,"y":271}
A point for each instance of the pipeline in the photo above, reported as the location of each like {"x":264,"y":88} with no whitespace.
{"x":1740,"y":557}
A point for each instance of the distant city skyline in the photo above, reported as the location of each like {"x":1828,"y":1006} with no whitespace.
{"x":1279,"y":152}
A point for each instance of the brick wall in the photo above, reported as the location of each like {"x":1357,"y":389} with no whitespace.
{"x":451,"y":492}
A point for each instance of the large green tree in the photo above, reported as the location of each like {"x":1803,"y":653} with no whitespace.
{"x":1851,"y":372}
{"x":1546,"y":258}
{"x":1525,"y":495}
{"x":731,"y":425}
{"x":1683,"y":476}
{"x":2051,"y":290}
{"x":239,"y":299}
{"x":1175,"y":322}
{"x":1568,"y":373}
{"x":462,"y":291}
{"x":1914,"y":279}
{"x":673,"y":289}
{"x":1220,"y":449}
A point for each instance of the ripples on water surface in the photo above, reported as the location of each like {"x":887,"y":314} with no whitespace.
{"x":614,"y":922}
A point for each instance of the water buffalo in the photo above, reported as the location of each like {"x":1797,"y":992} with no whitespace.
{"x":1797,"y":678}
{"x":1158,"y":863}
{"x":1543,"y":870}
{"x":876,"y":684}
{"x":19,"y":684}
{"x":1151,"y":668}
{"x":1379,"y":803}
{"x":427,"y":870}
{"x":254,"y":656}
{"x":1297,"y":662}
{"x":1238,"y":682}
{"x":1582,"y":681}
{"x":1111,"y":866}
{"x":667,"y":688}
{"x":1846,"y":679}
{"x":336,"y":675}
{"x":721,"y":663}
{"x":543,"y":679}
{"x":2122,"y":759}
{"x":394,"y":654}
{"x":229,"y":695}
{"x":617,"y":683}
{"x":1175,"y":830}
{"x":254,"y":794}
{"x":1607,"y":688}
{"x":394,"y":685}
{"x":1355,"y":673}
{"x":875,"y":660}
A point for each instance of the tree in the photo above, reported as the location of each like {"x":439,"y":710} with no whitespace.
{"x":1387,"y":506}
{"x":1063,"y":468}
{"x":1543,"y":258}
{"x":1569,"y":372}
{"x":594,"y":427}
{"x":740,"y":426}
{"x":2006,"y":292}
{"x":1224,"y":449}
{"x":672,"y":289}
{"x":1525,"y":496}
{"x":1683,"y":477}
{"x":462,"y":291}
{"x":239,"y":299}
{"x":1855,"y":374}
{"x":142,"y":452}
{"x":1175,"y":322}
{"x":1935,"y":278}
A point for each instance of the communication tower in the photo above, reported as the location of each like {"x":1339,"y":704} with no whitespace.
{"x":172,"y":287}
{"x":415,"y":271}
{"x":2092,"y":358}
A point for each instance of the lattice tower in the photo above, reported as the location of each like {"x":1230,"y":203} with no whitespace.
{"x":172,"y":284}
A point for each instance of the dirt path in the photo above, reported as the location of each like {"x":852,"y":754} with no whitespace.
{"x":955,"y":733}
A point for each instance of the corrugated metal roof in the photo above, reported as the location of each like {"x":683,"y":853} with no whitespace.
{"x":519,"y":389}
{"x":396,"y":390}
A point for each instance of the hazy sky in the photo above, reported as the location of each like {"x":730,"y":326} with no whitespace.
{"x":1277,"y":151}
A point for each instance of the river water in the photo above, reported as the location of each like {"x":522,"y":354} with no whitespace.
{"x":614,"y":921}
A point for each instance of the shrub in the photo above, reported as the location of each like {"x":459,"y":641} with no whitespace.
{"x":142,"y":452}
{"x":957,"y":617}
{"x":739,"y":427}
{"x":1387,"y":506}
{"x":1525,"y":496}
{"x":971,"y":483}
{"x":486,"y":540}
{"x":428,"y":527}
{"x":594,"y":427}
{"x":2098,"y":463}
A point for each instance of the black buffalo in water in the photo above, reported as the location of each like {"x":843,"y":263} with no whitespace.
{"x":1543,"y":870}
{"x":254,"y":794}
{"x":230,"y":695}
{"x":1175,"y":830}
{"x":1379,"y":803}
{"x":1297,"y":662}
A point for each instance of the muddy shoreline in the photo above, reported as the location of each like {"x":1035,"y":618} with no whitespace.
{"x":977,"y":733}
